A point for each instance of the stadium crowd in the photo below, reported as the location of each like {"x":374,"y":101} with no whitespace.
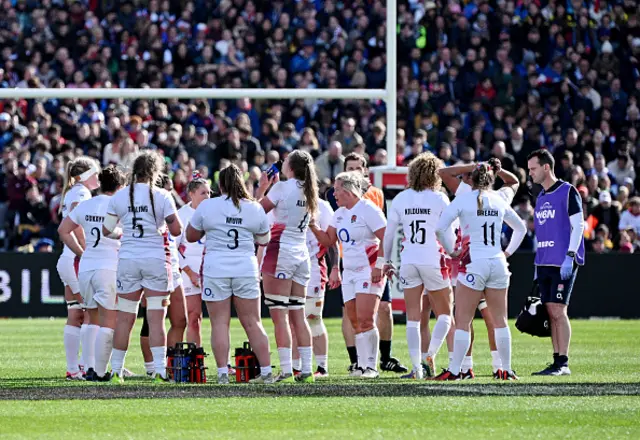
{"x":476,"y":79}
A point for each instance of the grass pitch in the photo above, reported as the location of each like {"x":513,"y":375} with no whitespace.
{"x":600,"y":400}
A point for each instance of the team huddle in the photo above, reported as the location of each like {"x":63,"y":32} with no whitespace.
{"x":130,"y":247}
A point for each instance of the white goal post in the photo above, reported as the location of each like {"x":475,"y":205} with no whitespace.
{"x":388,"y":94}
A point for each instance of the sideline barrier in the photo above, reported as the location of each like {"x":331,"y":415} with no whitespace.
{"x":606,"y":287}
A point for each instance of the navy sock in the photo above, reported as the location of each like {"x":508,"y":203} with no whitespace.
{"x":563,"y":361}
{"x":385,"y":350}
{"x":353,"y":355}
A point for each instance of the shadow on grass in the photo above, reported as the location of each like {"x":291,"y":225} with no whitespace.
{"x":51,"y":389}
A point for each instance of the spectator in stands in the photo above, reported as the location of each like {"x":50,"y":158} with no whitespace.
{"x":331,"y":162}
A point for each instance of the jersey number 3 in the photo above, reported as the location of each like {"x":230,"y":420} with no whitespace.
{"x":233,"y":234}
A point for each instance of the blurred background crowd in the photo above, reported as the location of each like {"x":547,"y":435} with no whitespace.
{"x":476,"y":79}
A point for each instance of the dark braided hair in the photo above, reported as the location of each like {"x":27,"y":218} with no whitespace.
{"x":111,"y":178}
{"x":146,"y":169}
{"x":482,"y":178}
{"x":232,"y":184}
{"x":303,"y":168}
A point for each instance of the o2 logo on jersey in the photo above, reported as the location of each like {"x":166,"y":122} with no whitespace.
{"x":402,"y":280}
{"x":119,"y":284}
{"x":546,"y":212}
{"x":281,"y":276}
{"x":471,"y":279}
{"x":208,"y":292}
{"x":344,"y":236}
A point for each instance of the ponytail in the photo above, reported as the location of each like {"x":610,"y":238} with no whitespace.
{"x":311,"y":190}
{"x":232,"y":184}
{"x":482,"y":178}
{"x":301,"y":163}
{"x":68,"y":182}
{"x":479,"y":199}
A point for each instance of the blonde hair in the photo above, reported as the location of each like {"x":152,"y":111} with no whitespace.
{"x":352,"y":181}
{"x":423,"y":172}
{"x":72,"y":172}
{"x":482,"y":178}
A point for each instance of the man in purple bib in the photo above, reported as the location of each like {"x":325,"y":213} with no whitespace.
{"x":559,"y":226}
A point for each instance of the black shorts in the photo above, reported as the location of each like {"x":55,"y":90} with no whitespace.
{"x":553,"y":289}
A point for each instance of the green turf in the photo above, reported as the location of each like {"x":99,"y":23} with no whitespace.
{"x":590,"y":403}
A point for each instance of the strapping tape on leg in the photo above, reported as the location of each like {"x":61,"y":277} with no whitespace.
{"x":276,"y":301}
{"x":296,"y":303}
{"x":482,"y":305}
{"x":317,"y":327}
{"x":128,"y":306}
{"x":74,"y":305}
{"x":157,"y":302}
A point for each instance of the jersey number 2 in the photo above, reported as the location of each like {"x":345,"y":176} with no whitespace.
{"x":491,"y":228}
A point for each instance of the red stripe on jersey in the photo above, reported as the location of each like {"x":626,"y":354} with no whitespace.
{"x":465,"y":255}
{"x":324,"y":277}
{"x":272,"y":251}
{"x":276,"y":232}
{"x":204,"y":251}
{"x":76,"y":265}
{"x":167,"y":257}
{"x":372,"y":254}
{"x":444,"y":267}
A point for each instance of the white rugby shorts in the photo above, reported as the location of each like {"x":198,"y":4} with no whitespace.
{"x":492,"y":273}
{"x":98,"y":287}
{"x":360,"y":282}
{"x":67,"y":272}
{"x":286,"y":265}
{"x":315,"y":291}
{"x":187,"y":285}
{"x":433,"y":278}
{"x":219,"y":289}
{"x":176,"y":277}
{"x":152,"y":274}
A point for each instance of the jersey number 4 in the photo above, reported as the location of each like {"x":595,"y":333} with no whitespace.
{"x":491,"y":229}
{"x":418,"y":232}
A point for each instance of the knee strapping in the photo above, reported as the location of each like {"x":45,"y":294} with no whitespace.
{"x":74,"y":305}
{"x":482,"y":305}
{"x":157,"y":302}
{"x":317,"y":326}
{"x":296,"y":303}
{"x":276,"y":301}
{"x":128,"y":306}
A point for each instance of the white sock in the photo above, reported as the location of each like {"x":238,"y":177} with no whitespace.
{"x":83,"y":358}
{"x":160,"y":360}
{"x":306,"y":358}
{"x":461,"y":343}
{"x":265,"y":370}
{"x":148,"y":367}
{"x":362,"y":348}
{"x":467,"y":363}
{"x":285,"y":360}
{"x":89,"y":346}
{"x":296,"y":364}
{"x":440,"y":331}
{"x":374,"y":347}
{"x":496,"y":362}
{"x":104,"y":346}
{"x":503,"y":342}
{"x":322,"y":361}
{"x":413,"y":341}
{"x":117,"y":361}
{"x":450,"y":357}
{"x":223,"y":370}
{"x":71,"y":347}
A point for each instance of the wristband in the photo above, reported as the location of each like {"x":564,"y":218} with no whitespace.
{"x":380,"y":262}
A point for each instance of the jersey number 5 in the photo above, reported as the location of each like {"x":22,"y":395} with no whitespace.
{"x":137,"y":226}
{"x":418,"y":232}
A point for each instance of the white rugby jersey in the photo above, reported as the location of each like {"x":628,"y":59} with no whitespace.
{"x":230,"y":248}
{"x":143,"y":236}
{"x":192,"y":253}
{"x":355,"y":229}
{"x":291,"y":218}
{"x":319,"y":276}
{"x":418,"y":212}
{"x":482,"y":226}
{"x":506,"y":193}
{"x":101,"y":252}
{"x":76,"y":194}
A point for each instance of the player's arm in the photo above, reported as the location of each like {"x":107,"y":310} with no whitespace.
{"x":79,"y":232}
{"x":333,"y":255}
{"x":263,"y":235}
{"x":263,"y":186}
{"x":110,"y":226}
{"x":195,"y":228}
{"x":174,"y":224}
{"x":376,"y":274}
{"x":514,"y":221}
{"x":326,"y":238}
{"x":576,"y":218}
{"x":444,"y":231}
{"x":449,"y":175}
{"x":65,"y":230}
{"x":393,"y":222}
